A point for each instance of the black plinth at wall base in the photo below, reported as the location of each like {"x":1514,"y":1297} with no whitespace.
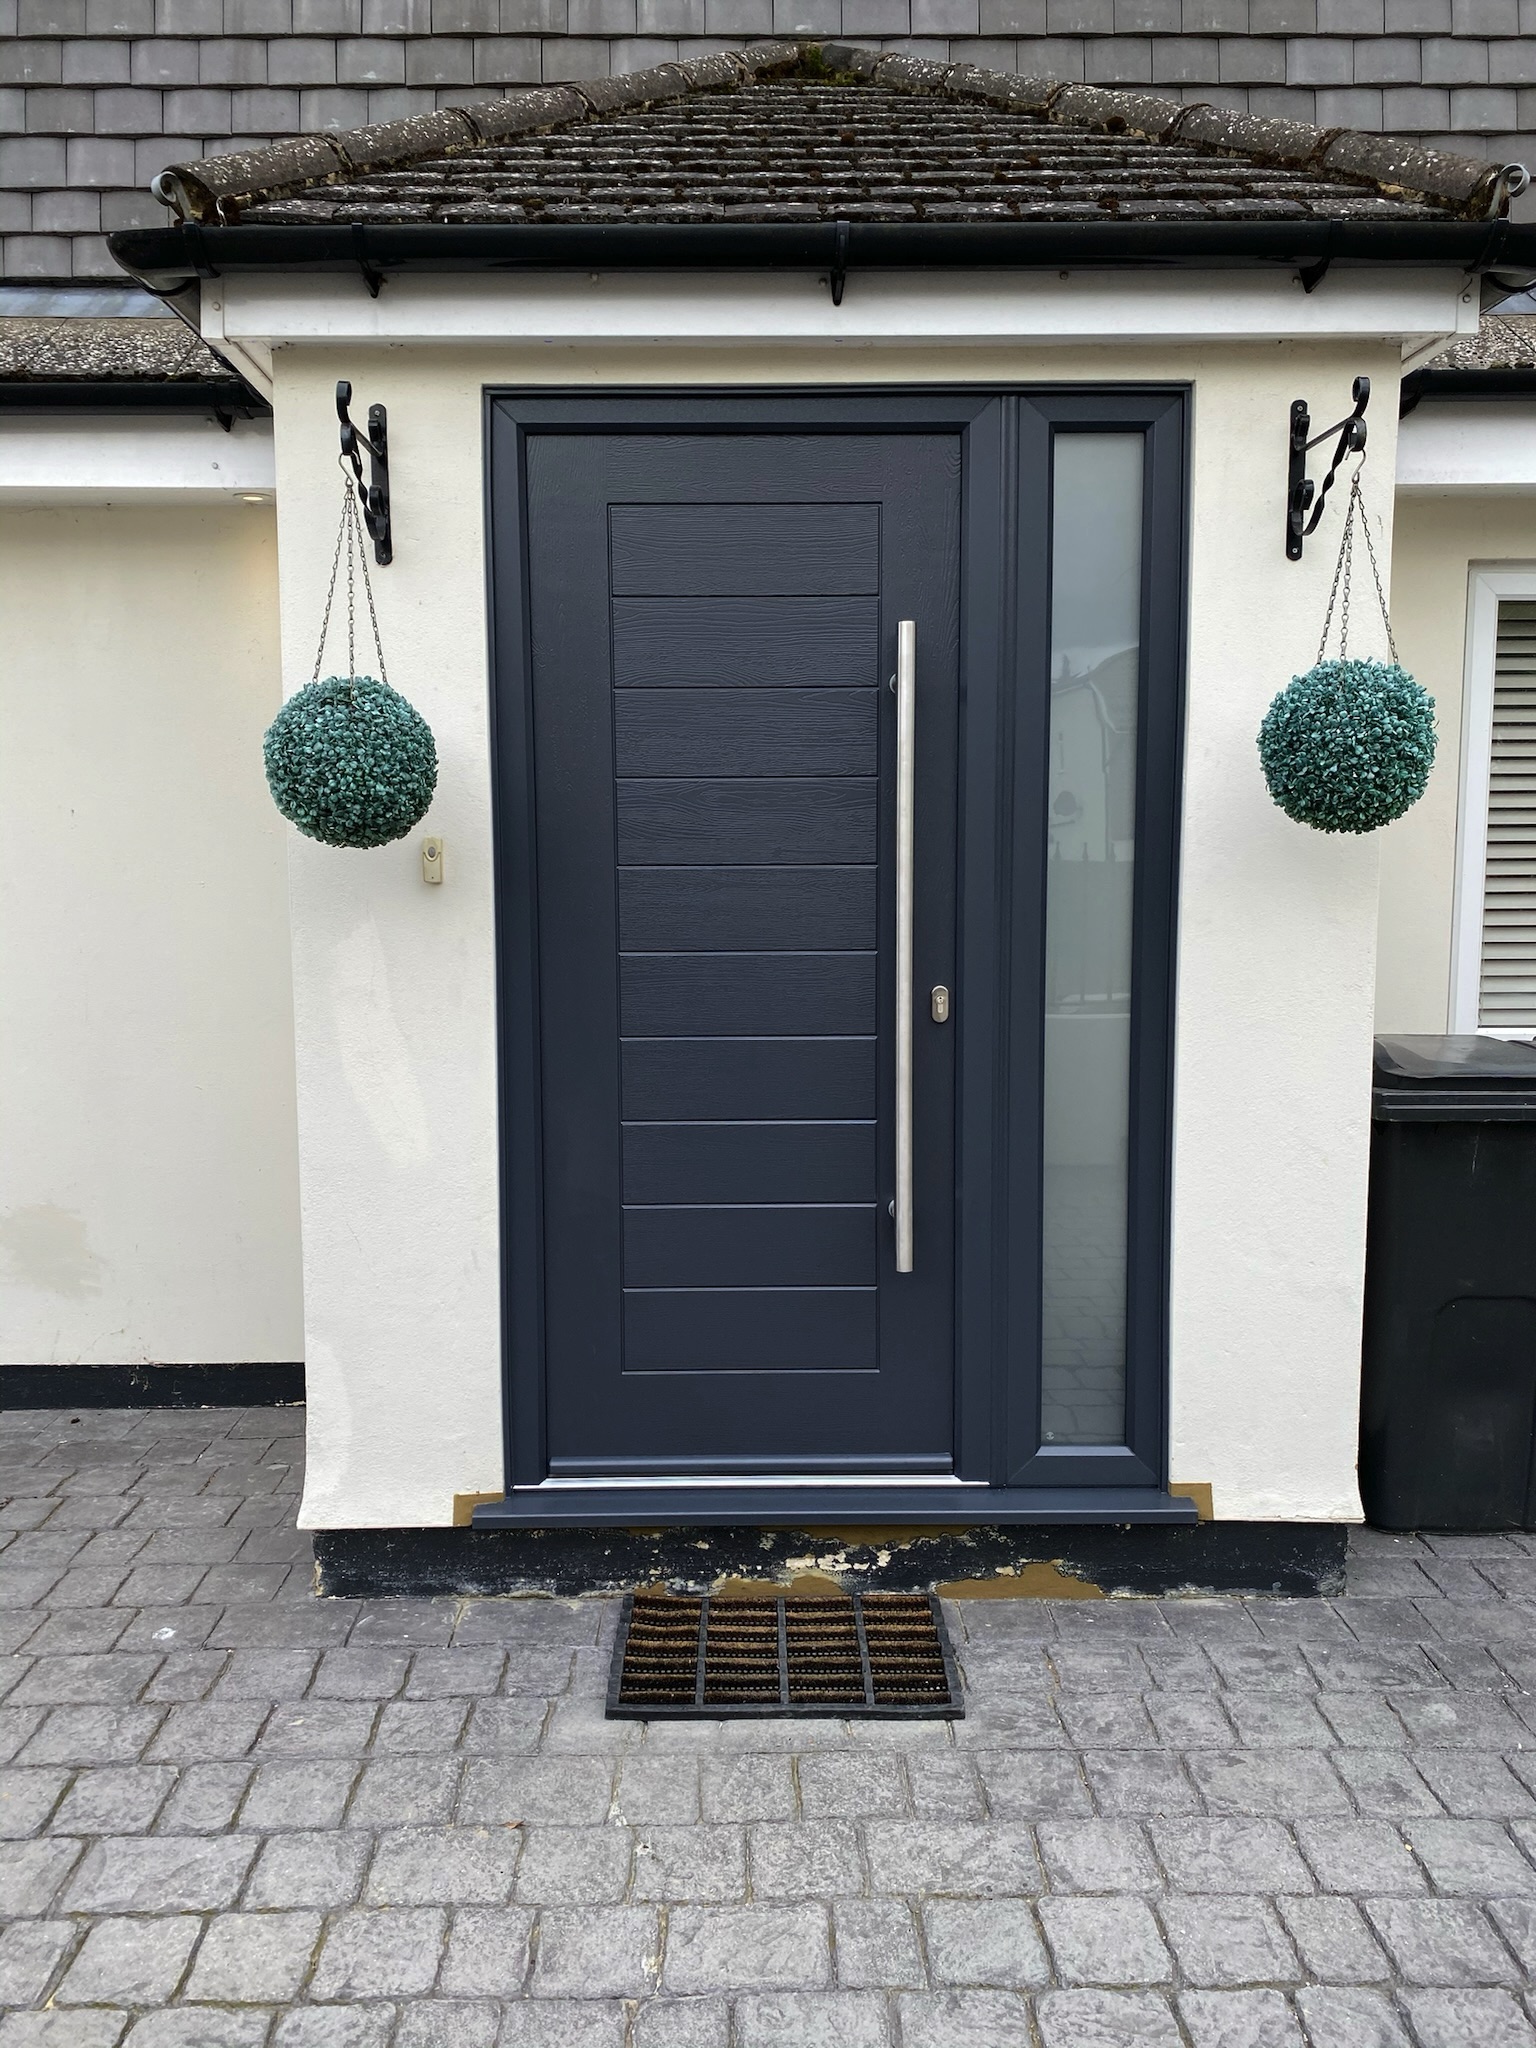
{"x":1212,"y":1557}
{"x":151,"y":1386}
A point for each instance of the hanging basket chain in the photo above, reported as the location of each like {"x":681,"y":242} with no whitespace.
{"x":1344,"y":571}
{"x":349,"y":536}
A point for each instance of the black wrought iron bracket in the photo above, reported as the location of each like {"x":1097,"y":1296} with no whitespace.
{"x":1302,"y":495}
{"x":373,"y":496}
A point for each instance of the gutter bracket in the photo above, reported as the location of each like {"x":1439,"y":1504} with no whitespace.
{"x":371,"y":277}
{"x":1302,"y":495}
{"x":1312,"y":274}
{"x":838,"y":277}
{"x":374,"y":496}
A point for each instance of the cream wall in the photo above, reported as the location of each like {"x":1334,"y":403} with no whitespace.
{"x":148,"y":1174}
{"x":394,"y":996}
{"x":1438,"y":536}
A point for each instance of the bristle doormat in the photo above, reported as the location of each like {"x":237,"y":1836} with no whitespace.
{"x":870,"y":1656}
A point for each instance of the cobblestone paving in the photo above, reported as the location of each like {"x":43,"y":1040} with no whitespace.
{"x":235,"y":1814}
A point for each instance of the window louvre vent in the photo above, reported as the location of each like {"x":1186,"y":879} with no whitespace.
{"x":1507,"y":983}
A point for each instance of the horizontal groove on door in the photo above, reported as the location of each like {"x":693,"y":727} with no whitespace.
{"x":739,"y":1079}
{"x":746,"y":732}
{"x":707,"y":910}
{"x":747,"y":995}
{"x":747,"y":1162}
{"x":785,"y":1329}
{"x":743,"y":643}
{"x":767,"y":550}
{"x":690,"y":1246}
{"x":753,"y":820}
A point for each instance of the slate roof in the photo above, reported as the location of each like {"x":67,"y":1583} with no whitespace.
{"x":801,"y":132}
{"x":106,"y":351}
{"x":1504,"y":341}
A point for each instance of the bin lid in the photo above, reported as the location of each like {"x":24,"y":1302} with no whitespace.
{"x":1465,"y":1060}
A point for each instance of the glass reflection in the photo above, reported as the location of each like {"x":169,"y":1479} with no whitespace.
{"x":1095,"y":666}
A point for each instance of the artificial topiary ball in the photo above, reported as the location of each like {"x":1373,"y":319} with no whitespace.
{"x":1348,"y":746}
{"x":350,"y":762}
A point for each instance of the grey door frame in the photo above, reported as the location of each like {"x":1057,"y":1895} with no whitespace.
{"x":1006,"y":435}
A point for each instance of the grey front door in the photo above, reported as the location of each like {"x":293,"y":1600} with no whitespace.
{"x":711,"y":624}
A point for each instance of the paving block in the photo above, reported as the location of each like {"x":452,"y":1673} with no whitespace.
{"x":405,"y":1791}
{"x":160,"y":1874}
{"x":451,"y":1674}
{"x":657,"y":1788}
{"x":30,"y":1952}
{"x":215,"y":1731}
{"x":335,"y":2026}
{"x":877,"y":1946}
{"x":63,"y":2029}
{"x":1228,"y":1941}
{"x":424,"y":1726}
{"x":389,"y":1951}
{"x":747,"y":1948}
{"x":574,"y":1866}
{"x":1033,"y":1784}
{"x":944,"y":1787}
{"x":1349,"y":2019}
{"x":204,"y":1799}
{"x":601,"y":1951}
{"x":698,"y":1863}
{"x":309,"y":1870}
{"x":1360,"y":1856}
{"x":298,"y":1792}
{"x":1144,"y":1784}
{"x":1104,"y":2019}
{"x":1104,"y":1941}
{"x":27,"y":1798}
{"x":470,"y":1866}
{"x":447,"y":2023}
{"x":851,"y":1787}
{"x":985,"y":1942}
{"x":1470,"y":1858}
{"x":130,"y":1962}
{"x":249,"y":1958}
{"x":487,"y":1952}
{"x":1441,"y":1942}
{"x":113,"y":1801}
{"x":805,"y":1859}
{"x":1239,"y":2019}
{"x":988,"y":1860}
{"x":1230,"y":1856}
{"x":748,"y":1788}
{"x":1333,"y":1941}
{"x":1288,"y":1783}
{"x":1468,"y":2019}
{"x":563,"y":2023}
{"x":812,"y":2019}
{"x":1097,"y":1856}
{"x":564,"y":1790}
{"x":1384,"y":1782}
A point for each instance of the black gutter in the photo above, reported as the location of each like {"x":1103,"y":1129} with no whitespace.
{"x":164,"y":257}
{"x":217,"y":397}
{"x":1420,"y":385}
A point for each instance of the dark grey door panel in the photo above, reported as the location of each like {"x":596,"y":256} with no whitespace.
{"x":711,"y":620}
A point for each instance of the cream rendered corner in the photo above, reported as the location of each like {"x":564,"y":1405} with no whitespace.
{"x":394,"y":982}
{"x":149,"y":1174}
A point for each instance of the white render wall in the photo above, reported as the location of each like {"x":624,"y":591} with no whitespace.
{"x":394,"y":981}
{"x":148,"y":1173}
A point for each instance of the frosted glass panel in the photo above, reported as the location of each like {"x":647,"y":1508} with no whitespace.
{"x":1095,"y":662}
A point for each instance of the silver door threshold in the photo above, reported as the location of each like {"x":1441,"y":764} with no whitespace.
{"x":799,"y":1503}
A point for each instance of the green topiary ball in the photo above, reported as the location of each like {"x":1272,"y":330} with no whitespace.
{"x":1348,"y":746}
{"x":350,"y":762}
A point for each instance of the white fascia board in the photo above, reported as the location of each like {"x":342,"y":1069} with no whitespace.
{"x":96,"y":458}
{"x":266,"y":311}
{"x":1485,"y":445}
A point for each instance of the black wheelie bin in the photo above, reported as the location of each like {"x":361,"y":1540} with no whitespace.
{"x":1448,"y":1383}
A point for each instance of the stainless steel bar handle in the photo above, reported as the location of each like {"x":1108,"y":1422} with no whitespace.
{"x":906,"y":783}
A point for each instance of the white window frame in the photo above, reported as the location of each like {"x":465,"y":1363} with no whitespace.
{"x":1488,"y":583}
